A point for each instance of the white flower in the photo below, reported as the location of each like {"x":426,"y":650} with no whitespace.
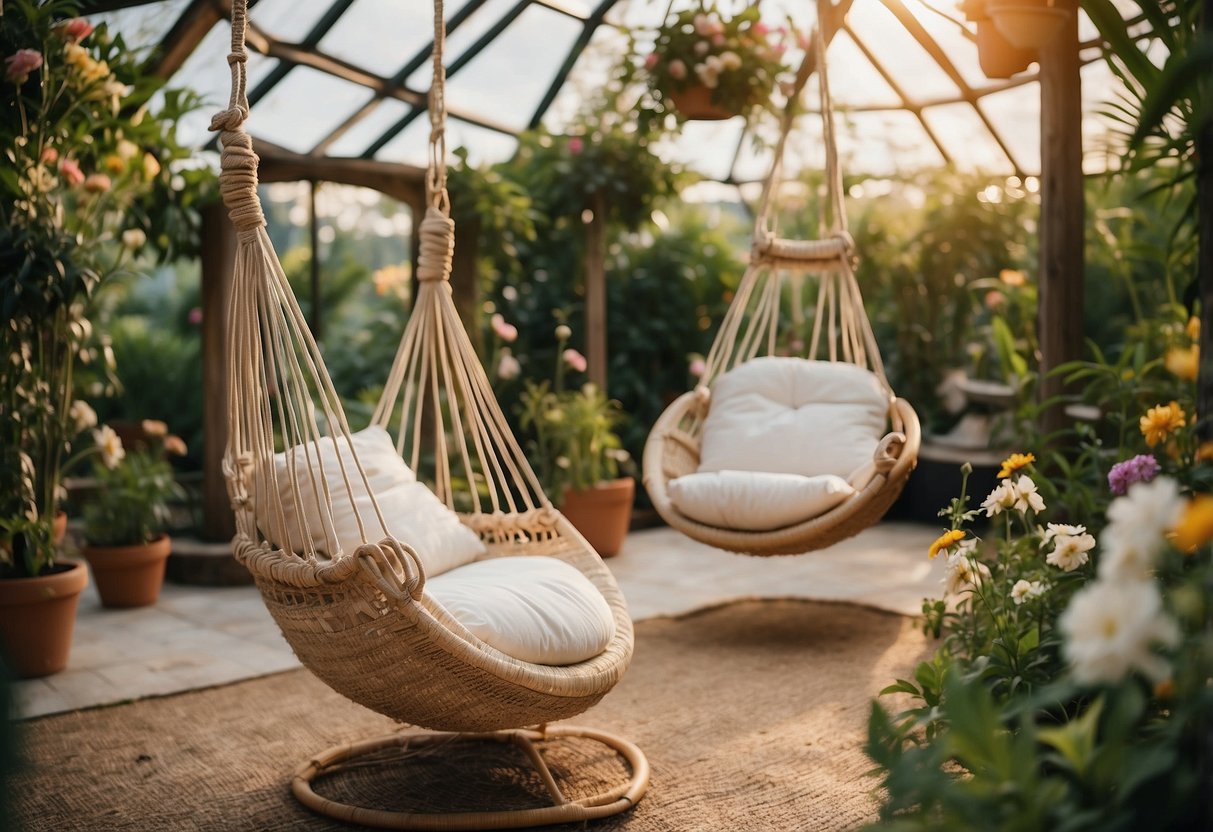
{"x":82,"y":415}
{"x":110,"y":445}
{"x":134,"y":237}
{"x":1026,"y":496}
{"x":1069,"y":550}
{"x":1003,"y":497}
{"x":708,"y":76}
{"x":1023,"y":590}
{"x":964,"y":570}
{"x":508,"y":367}
{"x":563,"y":333}
{"x":1110,"y":629}
{"x":1139,"y":522}
{"x":563,"y":462}
{"x":1054,"y":529}
{"x":730,"y":60}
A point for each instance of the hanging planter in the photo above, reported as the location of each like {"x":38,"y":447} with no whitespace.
{"x":997,"y":57}
{"x":1028,"y":24}
{"x":695,"y":104}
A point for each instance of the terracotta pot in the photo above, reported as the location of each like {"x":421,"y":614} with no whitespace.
{"x":602,"y":514}
{"x":997,"y":57}
{"x":37,"y":616}
{"x":129,"y":576}
{"x":59,"y":528}
{"x":696,"y":103}
{"x":1027,"y":24}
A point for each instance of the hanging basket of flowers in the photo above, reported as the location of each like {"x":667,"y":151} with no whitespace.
{"x":708,"y":65}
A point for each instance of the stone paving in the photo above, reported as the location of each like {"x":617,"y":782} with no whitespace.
{"x":197,"y":637}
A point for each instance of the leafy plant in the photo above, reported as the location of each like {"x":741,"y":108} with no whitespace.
{"x":133,"y":488}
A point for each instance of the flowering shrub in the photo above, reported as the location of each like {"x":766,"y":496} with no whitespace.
{"x":86,"y":183}
{"x":130,"y":504}
{"x":573,"y":442}
{"x":1070,"y":691}
{"x":740,"y":59}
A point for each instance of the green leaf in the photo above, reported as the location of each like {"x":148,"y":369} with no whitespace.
{"x":1075,"y":740}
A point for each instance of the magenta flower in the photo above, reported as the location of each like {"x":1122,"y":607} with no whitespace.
{"x":1141,"y":468}
{"x":505,"y":331}
{"x":195,"y":316}
{"x":20,"y":64}
{"x":576,"y":145}
{"x":574,"y":359}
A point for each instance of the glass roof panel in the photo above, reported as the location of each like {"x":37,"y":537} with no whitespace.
{"x":1015,"y":114}
{"x":359,"y":137}
{"x":288,"y":20}
{"x":410,"y":28}
{"x":477,"y":24}
{"x":288,"y":115}
{"x":864,"y":86}
{"x":507,"y":81}
{"x":964,"y":136}
{"x":706,"y":147}
{"x":142,"y":27}
{"x":878,"y":29}
{"x":883,"y":144}
{"x":485,"y":147}
{"x":944,"y":25}
{"x":600,"y":55}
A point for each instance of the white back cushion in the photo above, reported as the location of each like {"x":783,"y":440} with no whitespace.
{"x":791,"y":416}
{"x":754,"y":501}
{"x":411,"y":512}
{"x":536,"y":609}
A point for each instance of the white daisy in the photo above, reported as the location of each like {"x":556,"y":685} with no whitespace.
{"x":1111,"y":629}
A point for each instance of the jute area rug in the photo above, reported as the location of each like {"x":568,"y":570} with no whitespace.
{"x":752,"y":716}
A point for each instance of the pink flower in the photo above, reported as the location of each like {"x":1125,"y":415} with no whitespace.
{"x":650,"y":60}
{"x":678,"y":70}
{"x":995,"y":300}
{"x":195,"y":315}
{"x":574,"y":359}
{"x":761,"y":28}
{"x":50,"y":155}
{"x":506,"y":332}
{"x":508,"y":367}
{"x":698,"y":367}
{"x":1141,"y":468}
{"x":576,"y":145}
{"x":75,"y":30}
{"x":97,"y":183}
{"x":20,"y":64}
{"x":70,"y":171}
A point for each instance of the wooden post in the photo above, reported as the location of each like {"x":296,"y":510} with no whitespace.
{"x":218,"y":261}
{"x":1062,"y":214}
{"x":465,"y":277}
{"x":595,"y":293}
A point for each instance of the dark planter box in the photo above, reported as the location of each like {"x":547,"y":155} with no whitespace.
{"x":937,"y":480}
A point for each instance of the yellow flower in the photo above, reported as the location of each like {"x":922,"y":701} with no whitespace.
{"x":1195,"y":527}
{"x":151,"y":166}
{"x":114,"y":164}
{"x":945,"y":541}
{"x":1183,"y":361}
{"x":1161,"y":421}
{"x":1194,"y":328}
{"x":154,"y":428}
{"x":1013,"y":463}
{"x":1013,"y":277}
{"x":174,"y":445}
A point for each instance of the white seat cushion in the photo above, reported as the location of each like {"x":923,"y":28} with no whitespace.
{"x":756,"y":501}
{"x":791,"y":416}
{"x":411,"y":512}
{"x":536,"y":609}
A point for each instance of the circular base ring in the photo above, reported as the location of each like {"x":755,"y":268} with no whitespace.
{"x":609,"y":802}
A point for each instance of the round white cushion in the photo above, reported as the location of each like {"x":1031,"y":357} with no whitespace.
{"x":537,"y":609}
{"x":784,"y":415}
{"x":756,"y":501}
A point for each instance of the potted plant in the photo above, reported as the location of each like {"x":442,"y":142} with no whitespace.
{"x":127,"y":514}
{"x":577,"y":452}
{"x":83,"y":187}
{"x":709,"y":65}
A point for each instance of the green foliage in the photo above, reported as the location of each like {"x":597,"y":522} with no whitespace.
{"x":130,"y":501}
{"x":86,"y":183}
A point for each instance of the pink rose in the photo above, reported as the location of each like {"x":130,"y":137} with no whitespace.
{"x":195,"y":316}
{"x":506,"y":332}
{"x":698,"y":367}
{"x":678,"y":70}
{"x":650,"y":60}
{"x":574,"y":359}
{"x":75,"y":30}
{"x":20,"y":64}
{"x":576,"y":145}
{"x":49,"y":155}
{"x":97,"y":183}
{"x":70,"y":171}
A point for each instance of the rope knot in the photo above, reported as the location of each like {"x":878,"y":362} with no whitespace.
{"x":848,"y":242}
{"x":437,"y":246}
{"x":236,"y":58}
{"x":238,"y":173}
{"x":229,"y":120}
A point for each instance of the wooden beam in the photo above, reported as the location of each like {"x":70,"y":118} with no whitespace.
{"x":1062,"y":215}
{"x":218,"y":264}
{"x":595,"y":292}
{"x":403,"y":182}
{"x":189,"y":30}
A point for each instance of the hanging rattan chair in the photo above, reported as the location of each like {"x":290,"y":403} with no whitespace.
{"x":359,"y":616}
{"x":755,"y":325}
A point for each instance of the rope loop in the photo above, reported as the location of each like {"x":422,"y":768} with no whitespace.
{"x":238,"y":172}
{"x":437,"y":247}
